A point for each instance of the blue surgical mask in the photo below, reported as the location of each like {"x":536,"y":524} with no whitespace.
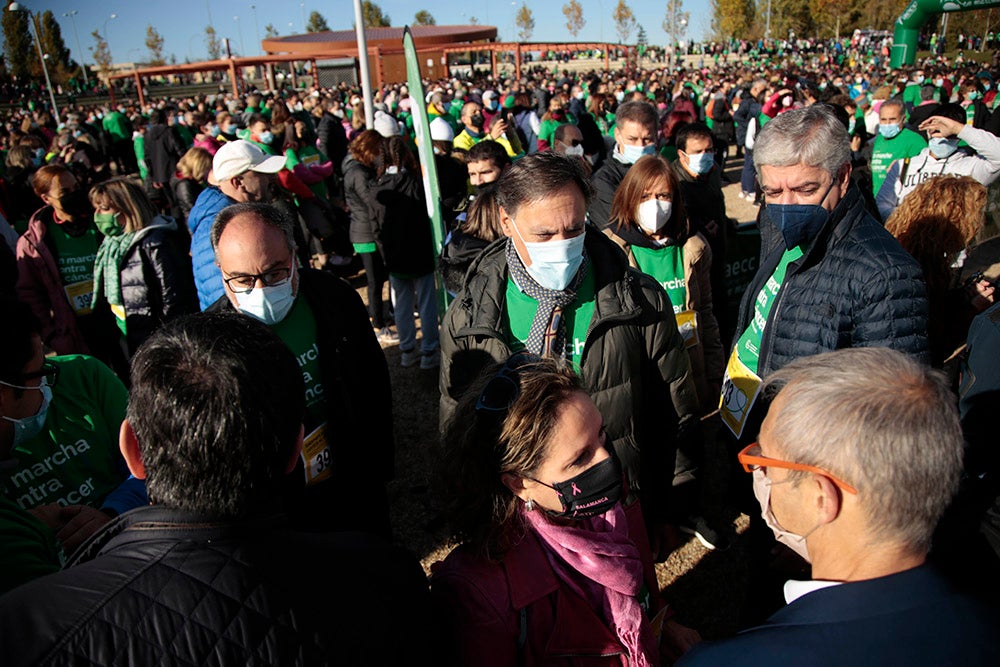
{"x":631,"y":154}
{"x":27,"y":428}
{"x":889,"y":131}
{"x":986,"y":85}
{"x":266,"y":137}
{"x":942,"y":147}
{"x":553,"y":263}
{"x":269,"y":304}
{"x":799,"y":223}
{"x":215,"y":131}
{"x":701,"y":163}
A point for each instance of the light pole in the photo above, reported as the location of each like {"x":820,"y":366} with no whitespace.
{"x":239,"y":29}
{"x":302,"y":6}
{"x":33,"y":20}
{"x":72,"y":17}
{"x":107,"y":37}
{"x":256,"y":25}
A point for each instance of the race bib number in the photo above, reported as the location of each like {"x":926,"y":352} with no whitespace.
{"x":740,"y":387}
{"x":81,"y":296}
{"x":316,"y":456}
{"x":687,"y":325}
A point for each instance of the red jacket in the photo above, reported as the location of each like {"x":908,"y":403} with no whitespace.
{"x":41,"y":288}
{"x":486,"y":604}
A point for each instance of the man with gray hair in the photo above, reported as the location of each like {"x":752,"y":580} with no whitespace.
{"x":830,"y":276}
{"x":859,"y":456}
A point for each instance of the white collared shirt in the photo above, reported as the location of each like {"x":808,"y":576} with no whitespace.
{"x":795,"y":589}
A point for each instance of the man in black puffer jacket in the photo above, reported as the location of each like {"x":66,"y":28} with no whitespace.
{"x":211,"y":573}
{"x":830,"y":276}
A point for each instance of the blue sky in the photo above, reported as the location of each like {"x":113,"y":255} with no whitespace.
{"x":182,"y":22}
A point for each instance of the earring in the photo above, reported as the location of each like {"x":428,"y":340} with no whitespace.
{"x":529,"y":505}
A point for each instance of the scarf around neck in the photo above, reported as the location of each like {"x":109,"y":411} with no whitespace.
{"x":110,"y":256}
{"x":547,"y":336}
{"x":597,"y":560}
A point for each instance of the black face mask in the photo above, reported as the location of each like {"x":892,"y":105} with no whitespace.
{"x":477,"y":120}
{"x":77,"y":204}
{"x":594,"y":491}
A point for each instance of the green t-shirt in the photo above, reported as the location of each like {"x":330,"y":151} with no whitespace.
{"x":666,"y":266}
{"x":139,"y":144}
{"x":30,"y":549}
{"x":298,"y":331}
{"x":75,"y":257}
{"x":886,"y":151}
{"x":307,"y":155}
{"x":75,"y":460}
{"x":911,"y":94}
{"x":117,"y":126}
{"x":521,"y":310}
{"x":748,"y":346}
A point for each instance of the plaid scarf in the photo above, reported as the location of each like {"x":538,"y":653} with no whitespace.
{"x":547,"y":337}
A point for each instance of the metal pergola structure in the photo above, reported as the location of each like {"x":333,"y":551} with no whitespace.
{"x":519,"y":48}
{"x":233,"y":66}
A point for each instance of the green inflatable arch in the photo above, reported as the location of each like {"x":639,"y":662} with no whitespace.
{"x":913,"y":18}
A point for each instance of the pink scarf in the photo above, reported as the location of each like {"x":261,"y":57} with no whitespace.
{"x":598,"y":561}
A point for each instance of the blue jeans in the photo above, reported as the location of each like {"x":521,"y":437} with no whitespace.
{"x":403,"y":292}
{"x":747,"y":177}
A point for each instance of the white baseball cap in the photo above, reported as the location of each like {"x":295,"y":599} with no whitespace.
{"x":238,"y":157}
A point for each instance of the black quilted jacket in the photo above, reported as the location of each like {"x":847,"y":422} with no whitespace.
{"x":160,"y":586}
{"x":157,"y":282}
{"x":856,"y":287}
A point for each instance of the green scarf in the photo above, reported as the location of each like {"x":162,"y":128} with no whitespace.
{"x":107,"y":267}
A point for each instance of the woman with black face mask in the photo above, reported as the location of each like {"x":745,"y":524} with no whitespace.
{"x":55,"y":261}
{"x":553,"y":568}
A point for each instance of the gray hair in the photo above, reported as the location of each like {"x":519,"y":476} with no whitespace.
{"x":883,"y":423}
{"x":812,"y":136}
{"x":535,"y":177}
{"x":894,"y":102}
{"x":265,"y":213}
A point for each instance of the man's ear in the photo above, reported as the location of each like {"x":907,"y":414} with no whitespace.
{"x":296,"y":451}
{"x":844,"y":179}
{"x":828,"y":499}
{"x":130,"y":450}
{"x":505,"y":224}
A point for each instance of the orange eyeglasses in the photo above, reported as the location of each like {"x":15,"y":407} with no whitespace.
{"x":752,"y":460}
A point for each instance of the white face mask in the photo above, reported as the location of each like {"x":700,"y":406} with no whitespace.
{"x":270,"y":305}
{"x":762,"y":491}
{"x":553,"y":263}
{"x":653,"y":214}
{"x":574,"y":151}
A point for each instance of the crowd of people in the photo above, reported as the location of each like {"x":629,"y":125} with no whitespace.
{"x":197,"y":420}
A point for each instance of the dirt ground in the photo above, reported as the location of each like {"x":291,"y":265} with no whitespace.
{"x":707,"y":588}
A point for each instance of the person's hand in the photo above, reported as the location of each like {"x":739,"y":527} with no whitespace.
{"x":676,"y":640}
{"x":79,"y":523}
{"x":499,"y":128}
{"x":946,"y":126}
{"x":855,"y":143}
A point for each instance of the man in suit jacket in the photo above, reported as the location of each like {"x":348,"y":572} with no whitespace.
{"x":858,"y":457}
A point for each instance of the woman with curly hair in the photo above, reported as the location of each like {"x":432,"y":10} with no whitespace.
{"x":935,"y":223}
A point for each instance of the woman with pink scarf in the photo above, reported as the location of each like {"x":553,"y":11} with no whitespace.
{"x":553,"y":569}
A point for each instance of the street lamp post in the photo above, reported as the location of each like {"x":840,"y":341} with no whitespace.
{"x":256,"y":25}
{"x":72,"y":17}
{"x":107,"y":37}
{"x":239,"y":29}
{"x":33,"y":20}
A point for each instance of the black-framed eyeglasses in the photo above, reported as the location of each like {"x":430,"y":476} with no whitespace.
{"x":49,"y":372}
{"x":502,"y":389}
{"x":244,"y":283}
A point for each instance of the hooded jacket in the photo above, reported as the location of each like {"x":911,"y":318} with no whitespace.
{"x":207,"y":276}
{"x":634,"y":364}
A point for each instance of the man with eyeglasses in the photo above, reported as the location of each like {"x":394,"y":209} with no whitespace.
{"x":59,"y":421}
{"x":347,"y":454}
{"x":241,"y":172}
{"x":858,"y":458}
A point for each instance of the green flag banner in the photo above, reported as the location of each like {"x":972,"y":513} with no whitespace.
{"x":425,"y":152}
